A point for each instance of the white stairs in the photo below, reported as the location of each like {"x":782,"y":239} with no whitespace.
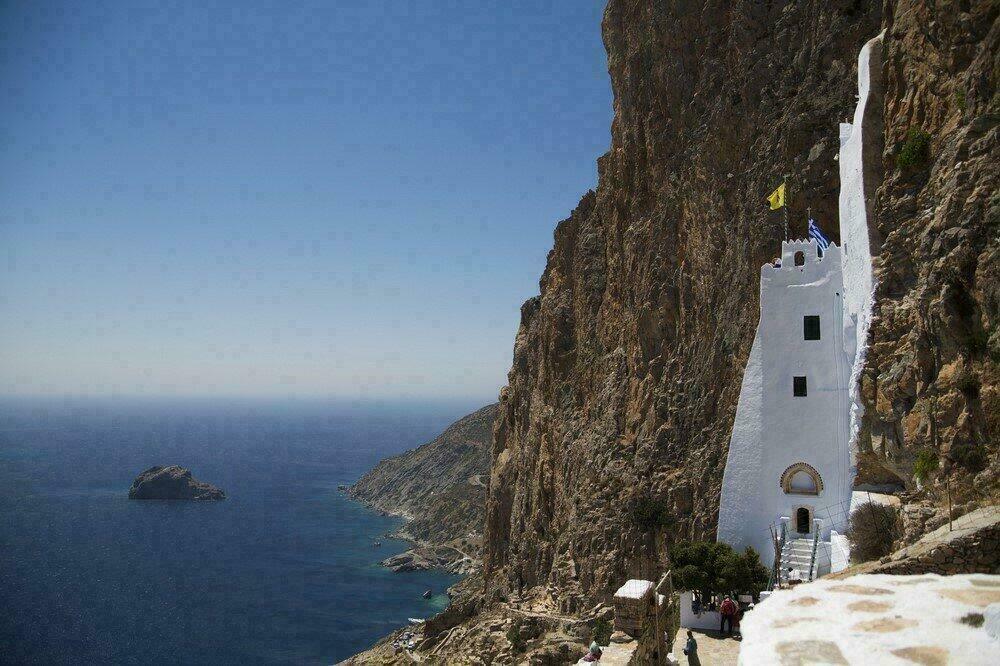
{"x":797,"y":553}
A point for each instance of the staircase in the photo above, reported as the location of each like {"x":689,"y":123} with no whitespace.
{"x":798,"y":554}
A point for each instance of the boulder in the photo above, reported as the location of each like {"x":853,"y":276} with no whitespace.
{"x":170,"y":483}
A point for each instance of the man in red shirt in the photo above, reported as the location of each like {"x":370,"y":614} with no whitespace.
{"x":728,"y":611}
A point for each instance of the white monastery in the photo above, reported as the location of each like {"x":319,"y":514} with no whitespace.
{"x":790,"y":468}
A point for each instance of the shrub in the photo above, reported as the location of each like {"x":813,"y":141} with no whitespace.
{"x":874,"y":530}
{"x":915,"y":150}
{"x":516,"y":640}
{"x":708,"y":567}
{"x":648,"y":512}
{"x":960,"y":99}
{"x":927,"y":462}
{"x":971,"y":456}
{"x":602,"y":632}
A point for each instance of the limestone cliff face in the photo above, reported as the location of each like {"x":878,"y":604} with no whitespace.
{"x":611,"y":437}
{"x":932,"y":379}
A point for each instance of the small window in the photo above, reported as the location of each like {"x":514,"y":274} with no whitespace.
{"x":810,"y":325}
{"x":800,"y":258}
{"x":799,"y":387}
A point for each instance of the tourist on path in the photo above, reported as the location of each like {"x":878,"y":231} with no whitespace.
{"x":691,"y":650}
{"x":728,"y":611}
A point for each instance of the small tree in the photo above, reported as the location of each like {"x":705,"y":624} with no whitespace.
{"x":602,"y":632}
{"x":708,"y":568}
{"x":648,"y":513}
{"x":927,"y":462}
{"x":874,"y":530}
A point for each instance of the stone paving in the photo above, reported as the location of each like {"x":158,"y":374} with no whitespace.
{"x":876,"y":619}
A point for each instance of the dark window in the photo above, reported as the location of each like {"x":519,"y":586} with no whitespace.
{"x":799,"y":386}
{"x":800,"y":259}
{"x":810,"y":325}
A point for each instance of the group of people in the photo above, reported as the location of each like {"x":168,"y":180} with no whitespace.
{"x":731,"y":614}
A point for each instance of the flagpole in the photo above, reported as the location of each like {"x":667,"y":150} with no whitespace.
{"x":787,"y":198}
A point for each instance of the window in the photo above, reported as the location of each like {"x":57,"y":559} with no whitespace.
{"x":800,"y":258}
{"x":810,"y":326}
{"x":799,"y":387}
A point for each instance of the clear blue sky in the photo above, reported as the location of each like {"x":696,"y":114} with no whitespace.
{"x":251,"y":198}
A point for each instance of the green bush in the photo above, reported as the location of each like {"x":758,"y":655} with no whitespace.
{"x":873,"y":532}
{"x":971,"y":456}
{"x":915,"y":150}
{"x":927,"y":462}
{"x":648,"y":513}
{"x":960,"y":99}
{"x":602,"y":632}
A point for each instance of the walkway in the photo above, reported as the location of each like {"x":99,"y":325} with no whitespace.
{"x":714,"y":649}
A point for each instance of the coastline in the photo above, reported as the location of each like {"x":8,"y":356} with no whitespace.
{"x":424,"y":554}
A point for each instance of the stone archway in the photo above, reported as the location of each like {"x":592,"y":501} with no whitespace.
{"x":801,"y":479}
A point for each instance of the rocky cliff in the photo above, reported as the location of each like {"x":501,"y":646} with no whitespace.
{"x":932,"y":378}
{"x":612,"y":433}
{"x":440,"y":489}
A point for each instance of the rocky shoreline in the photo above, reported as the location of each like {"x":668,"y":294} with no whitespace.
{"x":439,"y":490}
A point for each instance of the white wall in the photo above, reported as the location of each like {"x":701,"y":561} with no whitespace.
{"x":710,"y":620}
{"x":858,"y":281}
{"x":774,"y":429}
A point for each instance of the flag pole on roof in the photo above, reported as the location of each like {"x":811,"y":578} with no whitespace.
{"x":778,"y":199}
{"x":784,"y":184}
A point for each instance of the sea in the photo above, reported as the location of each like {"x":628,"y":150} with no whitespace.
{"x":283,"y":571}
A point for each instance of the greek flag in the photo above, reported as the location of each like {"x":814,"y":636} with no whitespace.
{"x":814,"y":233}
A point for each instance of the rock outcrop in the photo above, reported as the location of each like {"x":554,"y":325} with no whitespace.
{"x":440,"y":489}
{"x":172,"y":483}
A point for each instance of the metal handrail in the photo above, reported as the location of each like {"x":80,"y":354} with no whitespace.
{"x":817,"y":526}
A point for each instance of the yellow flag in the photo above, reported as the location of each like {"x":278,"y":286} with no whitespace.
{"x":777,"y":198}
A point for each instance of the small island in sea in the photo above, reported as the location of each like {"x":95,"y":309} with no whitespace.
{"x":172,"y":482}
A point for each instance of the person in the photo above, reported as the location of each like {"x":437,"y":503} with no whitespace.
{"x":595,"y":652}
{"x":691,"y":650}
{"x":728,"y":611}
{"x":794,"y":576}
{"x":737,"y":622}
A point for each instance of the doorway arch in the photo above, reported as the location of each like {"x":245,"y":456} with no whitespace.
{"x":803,"y":520}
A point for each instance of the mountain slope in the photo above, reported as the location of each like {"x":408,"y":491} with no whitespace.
{"x":439,"y":487}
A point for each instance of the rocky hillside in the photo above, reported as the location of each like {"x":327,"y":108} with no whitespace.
{"x":440,"y":488}
{"x":612,"y":433}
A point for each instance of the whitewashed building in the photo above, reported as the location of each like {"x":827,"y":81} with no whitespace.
{"x":790,"y":467}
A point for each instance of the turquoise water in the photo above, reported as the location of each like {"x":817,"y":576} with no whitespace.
{"x":282,"y":572}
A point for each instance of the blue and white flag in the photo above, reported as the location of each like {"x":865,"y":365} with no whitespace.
{"x":814,"y":233}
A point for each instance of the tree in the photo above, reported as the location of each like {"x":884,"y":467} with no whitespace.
{"x":708,"y":568}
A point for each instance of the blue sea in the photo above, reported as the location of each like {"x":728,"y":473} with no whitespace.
{"x":283,"y":571}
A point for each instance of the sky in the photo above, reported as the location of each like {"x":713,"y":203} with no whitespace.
{"x":341,"y":199}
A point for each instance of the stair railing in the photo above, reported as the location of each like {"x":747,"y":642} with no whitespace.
{"x":817,"y":528}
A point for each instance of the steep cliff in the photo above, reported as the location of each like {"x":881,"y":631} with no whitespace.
{"x":612,"y":433}
{"x":611,"y":436}
{"x":932,"y":380}
{"x":440,"y":488}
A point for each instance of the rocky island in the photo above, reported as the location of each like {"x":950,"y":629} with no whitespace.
{"x":172,"y":482}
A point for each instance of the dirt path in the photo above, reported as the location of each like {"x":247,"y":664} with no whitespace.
{"x":714,"y":649}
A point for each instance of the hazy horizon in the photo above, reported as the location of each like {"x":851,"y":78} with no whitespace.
{"x":250,"y":200}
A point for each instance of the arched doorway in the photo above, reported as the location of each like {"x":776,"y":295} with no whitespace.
{"x":802,"y":520}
